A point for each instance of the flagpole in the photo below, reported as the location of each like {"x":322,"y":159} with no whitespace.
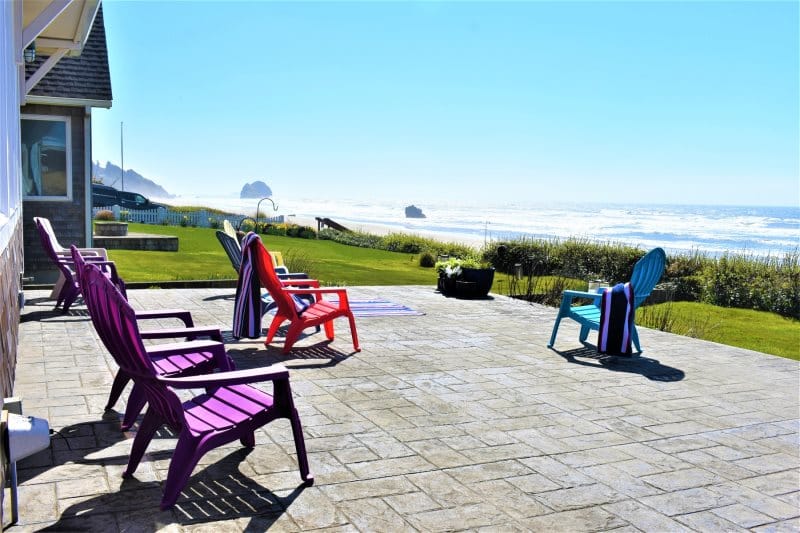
{"x":121,"y":157}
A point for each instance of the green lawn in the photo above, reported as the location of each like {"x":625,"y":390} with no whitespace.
{"x":745,"y":328}
{"x":201,"y":257}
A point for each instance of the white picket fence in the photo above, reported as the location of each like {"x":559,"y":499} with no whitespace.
{"x":201,"y":219}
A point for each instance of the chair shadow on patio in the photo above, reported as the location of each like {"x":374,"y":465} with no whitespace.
{"x":319,"y":355}
{"x":226,"y":489}
{"x":220,"y":491}
{"x":649,"y":368}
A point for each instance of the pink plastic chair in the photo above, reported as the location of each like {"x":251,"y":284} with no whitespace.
{"x":63,"y":291}
{"x":230,"y":409}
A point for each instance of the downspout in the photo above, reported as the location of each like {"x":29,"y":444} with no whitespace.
{"x":87,"y":180}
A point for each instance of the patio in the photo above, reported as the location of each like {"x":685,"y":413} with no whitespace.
{"x":458,"y":419}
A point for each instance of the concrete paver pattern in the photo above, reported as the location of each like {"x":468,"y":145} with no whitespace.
{"x":460,"y":419}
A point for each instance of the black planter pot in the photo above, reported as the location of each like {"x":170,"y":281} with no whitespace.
{"x":473,"y":283}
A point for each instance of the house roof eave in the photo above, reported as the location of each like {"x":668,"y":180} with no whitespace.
{"x":71,"y":102}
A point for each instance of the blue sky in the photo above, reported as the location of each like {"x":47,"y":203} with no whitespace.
{"x":673,"y":102}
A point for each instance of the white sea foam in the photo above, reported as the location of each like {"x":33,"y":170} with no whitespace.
{"x":712,"y":229}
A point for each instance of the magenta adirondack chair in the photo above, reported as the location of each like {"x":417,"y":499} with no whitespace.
{"x":230,"y":409}
{"x":182,"y":358}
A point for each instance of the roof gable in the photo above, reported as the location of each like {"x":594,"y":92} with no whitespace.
{"x":85,"y":79}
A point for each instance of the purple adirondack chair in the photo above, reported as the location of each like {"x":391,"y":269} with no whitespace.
{"x":230,"y":409}
{"x":183,"y":358}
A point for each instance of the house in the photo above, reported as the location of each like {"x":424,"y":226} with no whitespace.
{"x":45,"y":142}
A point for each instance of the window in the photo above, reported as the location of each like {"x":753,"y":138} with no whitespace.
{"x":46,"y":158}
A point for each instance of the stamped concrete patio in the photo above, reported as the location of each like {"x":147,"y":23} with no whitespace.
{"x":460,"y":419}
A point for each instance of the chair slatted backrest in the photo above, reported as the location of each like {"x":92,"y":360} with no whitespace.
{"x":232,"y":249}
{"x":117,"y":320}
{"x":646,"y":274}
{"x":49,"y":242}
{"x":48,"y":229}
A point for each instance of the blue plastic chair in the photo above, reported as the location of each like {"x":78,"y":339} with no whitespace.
{"x":646,"y":273}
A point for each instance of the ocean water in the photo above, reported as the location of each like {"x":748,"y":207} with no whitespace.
{"x":676,"y":228}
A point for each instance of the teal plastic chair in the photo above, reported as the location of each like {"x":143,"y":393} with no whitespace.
{"x":646,"y":273}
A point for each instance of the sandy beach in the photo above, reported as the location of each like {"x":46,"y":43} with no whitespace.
{"x":380,"y":229}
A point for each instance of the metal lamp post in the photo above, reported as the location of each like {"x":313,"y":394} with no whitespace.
{"x":258,"y":208}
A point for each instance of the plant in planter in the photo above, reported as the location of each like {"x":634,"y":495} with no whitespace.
{"x":464,"y":278}
{"x":106,"y":226}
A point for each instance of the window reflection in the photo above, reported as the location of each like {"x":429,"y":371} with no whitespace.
{"x":45,"y":158}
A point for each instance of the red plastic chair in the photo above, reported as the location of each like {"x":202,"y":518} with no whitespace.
{"x":321,"y":312}
{"x":182,"y":358}
{"x":230,"y":409}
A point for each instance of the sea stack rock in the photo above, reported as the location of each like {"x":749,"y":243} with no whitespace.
{"x":413,"y":211}
{"x":257,"y":189}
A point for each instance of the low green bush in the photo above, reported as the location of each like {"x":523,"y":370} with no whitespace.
{"x":426,"y":260}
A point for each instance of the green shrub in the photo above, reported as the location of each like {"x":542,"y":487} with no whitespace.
{"x":214,"y":223}
{"x":124,"y":216}
{"x":748,"y":282}
{"x":688,"y":289}
{"x":426,"y":260}
{"x":105,"y":214}
{"x":184,"y":221}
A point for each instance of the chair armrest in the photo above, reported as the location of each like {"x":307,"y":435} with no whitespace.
{"x":190,"y":333}
{"x":340,"y":291}
{"x":96,"y":251}
{"x":583,"y":294}
{"x":293,"y":275}
{"x":220,"y":379}
{"x":181,"y":314}
{"x":216,"y":348}
{"x":568,"y":296}
{"x":300,"y":283}
{"x":86,"y":253}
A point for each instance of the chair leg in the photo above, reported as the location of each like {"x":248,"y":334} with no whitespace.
{"x":249,"y":440}
{"x":584,"y":333}
{"x":273,"y":327}
{"x":353,"y":332}
{"x":149,"y":426}
{"x":635,"y":338}
{"x":120,"y":380}
{"x":555,"y":332}
{"x":300,"y":448}
{"x":329,"y":329}
{"x":185,"y":457}
{"x":69,"y":299}
{"x":295,"y":329}
{"x":283,"y":400}
{"x":136,"y":401}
